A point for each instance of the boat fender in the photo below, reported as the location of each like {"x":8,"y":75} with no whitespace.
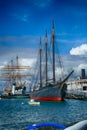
{"x":35,"y":126}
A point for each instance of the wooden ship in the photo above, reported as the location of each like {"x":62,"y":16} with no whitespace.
{"x":15,"y":76}
{"x":52,"y":89}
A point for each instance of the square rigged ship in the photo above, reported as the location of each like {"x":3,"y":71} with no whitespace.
{"x":54,"y":90}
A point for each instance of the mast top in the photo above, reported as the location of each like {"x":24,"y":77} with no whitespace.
{"x":17,"y":61}
{"x":40,"y":44}
{"x":11,"y":62}
{"x":17,"y":57}
{"x":53,"y":33}
{"x":46,"y":39}
{"x":53,"y":24}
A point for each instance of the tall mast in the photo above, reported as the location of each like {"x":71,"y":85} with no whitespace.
{"x":53,"y":50}
{"x":46,"y":44}
{"x":12,"y":70}
{"x":17,"y":61}
{"x":12,"y":64}
{"x":40,"y":63}
{"x":17,"y":71}
{"x":9,"y":81}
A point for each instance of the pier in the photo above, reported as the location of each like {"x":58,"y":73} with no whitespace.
{"x":77,"y":96}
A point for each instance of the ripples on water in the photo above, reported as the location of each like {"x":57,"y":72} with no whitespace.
{"x":18,"y":114}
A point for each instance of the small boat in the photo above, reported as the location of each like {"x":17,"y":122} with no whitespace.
{"x":32,"y":102}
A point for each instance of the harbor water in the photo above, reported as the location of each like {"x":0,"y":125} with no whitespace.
{"x":17,"y":114}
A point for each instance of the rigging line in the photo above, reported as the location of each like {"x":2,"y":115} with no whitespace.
{"x":44,"y":68}
{"x":50,"y":57}
{"x":36,"y":80}
{"x":50,"y":51}
{"x":50,"y":54}
{"x":34,"y":73}
{"x":37,"y":74}
{"x":60,"y":63}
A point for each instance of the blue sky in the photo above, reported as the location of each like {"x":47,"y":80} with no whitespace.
{"x":22,"y":22}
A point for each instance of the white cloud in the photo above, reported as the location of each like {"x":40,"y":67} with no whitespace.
{"x":27,"y":62}
{"x":81,"y":66}
{"x":80,"y":50}
{"x":28,"y":57}
{"x":77,"y":69}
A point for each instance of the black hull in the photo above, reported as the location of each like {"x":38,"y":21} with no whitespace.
{"x":52,"y":92}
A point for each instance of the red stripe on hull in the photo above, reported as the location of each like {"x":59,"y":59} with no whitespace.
{"x":48,"y":98}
